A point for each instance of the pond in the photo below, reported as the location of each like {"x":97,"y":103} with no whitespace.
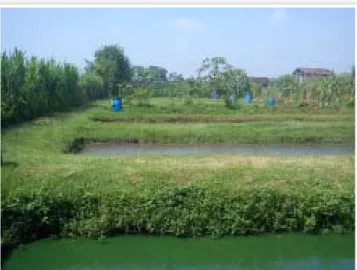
{"x":105,"y":149}
{"x":293,"y":251}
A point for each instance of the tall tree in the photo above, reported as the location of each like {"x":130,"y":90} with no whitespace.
{"x":91,"y":85}
{"x":159,"y":73}
{"x":237,"y":81}
{"x":223,"y":78}
{"x":212,"y":70}
{"x":113,"y":66}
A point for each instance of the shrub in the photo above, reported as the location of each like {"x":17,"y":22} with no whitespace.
{"x":174,"y":210}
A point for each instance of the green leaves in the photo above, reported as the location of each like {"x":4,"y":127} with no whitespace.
{"x":223,"y":78}
{"x":337,"y":90}
{"x":92,"y":86}
{"x":112,"y":66}
{"x":175,"y":210}
{"x":141,"y":96}
{"x":34,"y":87}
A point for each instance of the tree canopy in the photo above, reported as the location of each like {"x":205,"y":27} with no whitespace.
{"x":111,"y":64}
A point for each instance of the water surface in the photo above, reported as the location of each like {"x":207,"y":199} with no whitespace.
{"x":273,"y":149}
{"x":293,"y":252}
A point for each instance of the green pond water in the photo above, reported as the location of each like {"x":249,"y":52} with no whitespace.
{"x":145,"y":252}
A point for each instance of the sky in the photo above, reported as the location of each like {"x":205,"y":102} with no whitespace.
{"x":263,"y":41}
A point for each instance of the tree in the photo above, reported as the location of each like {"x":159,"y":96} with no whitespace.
{"x":289,"y":86}
{"x":211,"y":71}
{"x":92,"y":85}
{"x":223,"y":78}
{"x":175,"y":77}
{"x":237,"y":81}
{"x":152,"y":76}
{"x":113,"y":66}
{"x":158,"y":73}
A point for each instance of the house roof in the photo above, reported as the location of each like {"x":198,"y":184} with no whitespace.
{"x":314,"y":71}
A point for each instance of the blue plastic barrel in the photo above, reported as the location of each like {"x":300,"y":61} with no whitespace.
{"x":117,"y":104}
{"x":271,"y":102}
{"x":248,"y":98}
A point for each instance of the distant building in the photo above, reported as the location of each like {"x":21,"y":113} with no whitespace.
{"x":263,"y":81}
{"x":304,"y":74}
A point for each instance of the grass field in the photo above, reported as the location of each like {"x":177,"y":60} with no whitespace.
{"x":215,"y":109}
{"x":47,"y":192}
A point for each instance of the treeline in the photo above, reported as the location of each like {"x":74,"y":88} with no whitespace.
{"x":335,"y":90}
{"x":216,"y":75}
{"x":33,"y":87}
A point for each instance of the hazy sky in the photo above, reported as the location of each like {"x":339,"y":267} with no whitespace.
{"x":265,"y":42}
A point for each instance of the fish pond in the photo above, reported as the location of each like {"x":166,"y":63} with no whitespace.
{"x":292,"y":251}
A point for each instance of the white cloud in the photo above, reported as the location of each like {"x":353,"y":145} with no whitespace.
{"x":279,"y":16}
{"x":187,"y":24}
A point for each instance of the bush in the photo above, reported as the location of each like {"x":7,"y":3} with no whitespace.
{"x":33,"y":88}
{"x":141,"y":96}
{"x":188,"y":100}
{"x":92,"y":86}
{"x":351,"y":103}
{"x":173,"y":210}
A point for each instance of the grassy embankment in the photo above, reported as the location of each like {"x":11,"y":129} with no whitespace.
{"x":47,"y":192}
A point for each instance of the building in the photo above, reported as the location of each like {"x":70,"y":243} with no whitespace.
{"x":304,"y":74}
{"x":263,"y":81}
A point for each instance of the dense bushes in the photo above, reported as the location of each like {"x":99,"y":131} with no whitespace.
{"x":337,"y":90}
{"x":92,"y":85}
{"x":34,"y":87}
{"x":174,"y":210}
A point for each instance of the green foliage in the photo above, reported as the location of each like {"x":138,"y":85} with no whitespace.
{"x":34,"y":87}
{"x":274,"y":92}
{"x":256,"y":89}
{"x":113,"y":66}
{"x":146,"y":77}
{"x":335,"y":91}
{"x":188,"y":100}
{"x":230,"y":102}
{"x":167,"y":209}
{"x":92,"y":85}
{"x":141,"y":96}
{"x":212,"y":70}
{"x":351,"y":103}
{"x":223,"y":78}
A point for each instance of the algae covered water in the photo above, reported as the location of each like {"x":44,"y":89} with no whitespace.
{"x":145,"y":252}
